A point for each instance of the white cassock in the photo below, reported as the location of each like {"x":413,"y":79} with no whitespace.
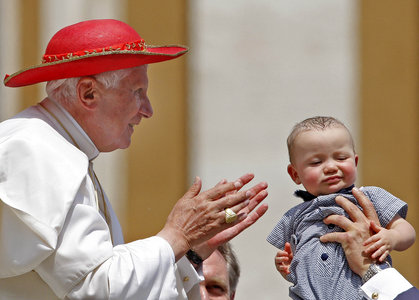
{"x":59,"y":237}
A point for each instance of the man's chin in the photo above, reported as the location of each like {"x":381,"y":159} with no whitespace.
{"x":116,"y":146}
{"x":124,"y":145}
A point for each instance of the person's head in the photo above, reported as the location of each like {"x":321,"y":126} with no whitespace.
{"x":322,"y":155}
{"x":98,"y":70}
{"x":106,"y":105}
{"x":221,"y":272}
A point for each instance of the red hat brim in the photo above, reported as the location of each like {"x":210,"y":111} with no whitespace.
{"x":91,"y":64}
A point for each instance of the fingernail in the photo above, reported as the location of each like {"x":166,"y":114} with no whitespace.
{"x":265,"y":184}
{"x":238,"y":184}
{"x":246,"y":203}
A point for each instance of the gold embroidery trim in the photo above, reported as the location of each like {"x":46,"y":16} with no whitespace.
{"x":136,"y":46}
{"x":94,"y":54}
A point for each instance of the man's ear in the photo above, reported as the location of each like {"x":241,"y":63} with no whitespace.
{"x":87,"y":92}
{"x":293,"y":174}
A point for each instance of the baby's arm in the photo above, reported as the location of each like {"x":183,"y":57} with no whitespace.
{"x":398,"y":235}
{"x":283,"y":260}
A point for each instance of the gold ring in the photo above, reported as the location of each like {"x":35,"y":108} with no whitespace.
{"x":231,"y":216}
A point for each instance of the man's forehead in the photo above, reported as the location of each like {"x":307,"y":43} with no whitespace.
{"x":215,"y":264}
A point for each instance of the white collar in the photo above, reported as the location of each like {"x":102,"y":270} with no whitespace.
{"x":68,"y":127}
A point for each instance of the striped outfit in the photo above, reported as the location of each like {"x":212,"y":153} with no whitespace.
{"x":319,"y":271}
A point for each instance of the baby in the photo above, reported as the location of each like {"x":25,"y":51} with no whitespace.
{"x":323,"y":159}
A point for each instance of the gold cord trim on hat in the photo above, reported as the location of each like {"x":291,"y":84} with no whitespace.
{"x":130,"y":47}
{"x":102,"y":53}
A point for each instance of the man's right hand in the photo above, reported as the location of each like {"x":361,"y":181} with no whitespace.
{"x":357,"y":230}
{"x":199,"y":216}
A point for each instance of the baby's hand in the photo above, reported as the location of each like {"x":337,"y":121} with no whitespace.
{"x":283,"y":260}
{"x":380,"y":244}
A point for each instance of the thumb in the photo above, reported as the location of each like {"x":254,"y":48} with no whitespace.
{"x":374,"y":227}
{"x":195,"y":188}
{"x":288,"y":248}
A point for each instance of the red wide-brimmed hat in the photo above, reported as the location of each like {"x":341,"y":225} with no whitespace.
{"x":92,"y":47}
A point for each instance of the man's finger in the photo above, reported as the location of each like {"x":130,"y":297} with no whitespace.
{"x":375,"y":227}
{"x":222,"y":181}
{"x":353,"y":211}
{"x":250,"y":220}
{"x":261,"y":193}
{"x":337,"y":237}
{"x":366,"y":204}
{"x":340,"y":221}
{"x":221,"y":189}
{"x":232,"y":232}
{"x":254,"y":216}
{"x":246,"y":178}
{"x":195,"y":188}
{"x":259,"y":187}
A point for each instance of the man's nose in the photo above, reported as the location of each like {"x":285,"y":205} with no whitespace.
{"x":146,"y":110}
{"x":203,"y":292}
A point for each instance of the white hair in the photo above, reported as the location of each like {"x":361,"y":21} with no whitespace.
{"x":64,"y":90}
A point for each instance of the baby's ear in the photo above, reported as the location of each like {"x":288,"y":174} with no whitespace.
{"x":293,"y":174}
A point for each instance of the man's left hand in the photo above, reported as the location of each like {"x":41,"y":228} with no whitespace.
{"x":252,"y":211}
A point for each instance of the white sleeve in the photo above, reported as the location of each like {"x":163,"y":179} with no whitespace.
{"x":144,"y":269}
{"x":188,"y":280}
{"x":387,"y":284}
{"x":85,"y":264}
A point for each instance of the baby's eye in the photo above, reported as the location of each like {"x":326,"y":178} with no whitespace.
{"x":342,"y":158}
{"x":315,"y":162}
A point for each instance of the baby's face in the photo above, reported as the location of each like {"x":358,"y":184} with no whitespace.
{"x":324,"y":161}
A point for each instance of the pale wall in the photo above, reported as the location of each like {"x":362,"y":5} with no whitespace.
{"x":257,"y":68}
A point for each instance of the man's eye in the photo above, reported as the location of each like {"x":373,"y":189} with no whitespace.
{"x":215,"y":290}
{"x":138,"y":92}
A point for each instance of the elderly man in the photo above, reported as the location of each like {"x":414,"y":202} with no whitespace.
{"x":221,"y":272}
{"x":59,"y":237}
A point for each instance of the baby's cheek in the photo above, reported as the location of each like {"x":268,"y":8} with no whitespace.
{"x":350,"y":173}
{"x":311,"y":179}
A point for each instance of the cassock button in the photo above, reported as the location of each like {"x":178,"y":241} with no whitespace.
{"x":374,"y":295}
{"x":185,"y":279}
{"x":324,"y":256}
{"x":331,"y":226}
